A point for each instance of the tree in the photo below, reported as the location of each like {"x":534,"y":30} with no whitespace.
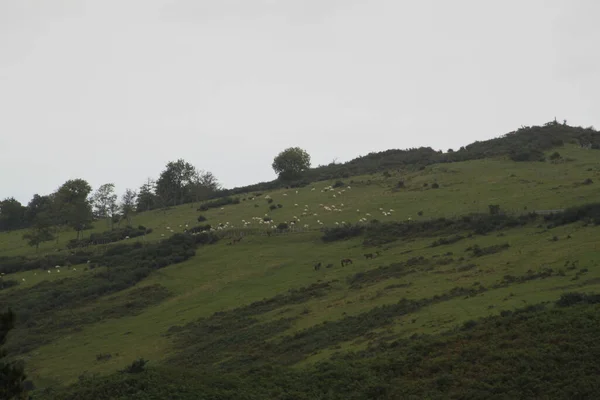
{"x":41,"y":217}
{"x":174,"y":181}
{"x":12,"y":214}
{"x":146,"y":199}
{"x":128,"y":204}
{"x":12,"y":375}
{"x":203,"y":184}
{"x":72,"y":205}
{"x":105,"y":202}
{"x":291,"y":162}
{"x":40,"y":208}
{"x":37,"y":236}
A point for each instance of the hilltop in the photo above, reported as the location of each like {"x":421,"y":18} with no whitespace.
{"x":473,"y":274}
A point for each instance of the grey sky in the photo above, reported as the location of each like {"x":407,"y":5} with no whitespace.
{"x":110,"y":91}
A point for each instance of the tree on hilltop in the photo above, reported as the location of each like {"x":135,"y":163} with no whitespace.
{"x":72,"y":205}
{"x":291,"y":162}
{"x":128,"y":204}
{"x":104,"y":201}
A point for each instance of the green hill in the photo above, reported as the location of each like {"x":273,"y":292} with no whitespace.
{"x":255,"y":319}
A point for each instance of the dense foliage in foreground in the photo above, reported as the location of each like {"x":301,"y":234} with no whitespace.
{"x":543,"y":351}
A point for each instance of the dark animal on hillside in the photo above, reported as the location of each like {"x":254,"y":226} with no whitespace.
{"x":368,"y":255}
{"x":346,"y":261}
{"x":317,"y":266}
{"x":329,"y":265}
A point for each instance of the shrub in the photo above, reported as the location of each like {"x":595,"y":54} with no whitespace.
{"x":201,"y":218}
{"x":342,"y":232}
{"x":435,"y":186}
{"x":588,"y":181}
{"x":555,"y":156}
{"x":494,"y":209}
{"x":5,"y":284}
{"x":527,"y":155}
{"x":111,"y":236}
{"x":136,"y":367}
{"x":338,"y":184}
{"x":269,"y":201}
{"x":400,"y":184}
{"x":267,"y":219}
{"x":272,"y":207}
{"x":282,"y":226}
{"x":218,"y":203}
{"x":420,"y":213}
{"x":279,"y":206}
{"x":425,"y":184}
{"x":587,"y":213}
{"x":103,"y":357}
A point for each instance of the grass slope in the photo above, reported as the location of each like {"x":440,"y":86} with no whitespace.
{"x":344,"y":316}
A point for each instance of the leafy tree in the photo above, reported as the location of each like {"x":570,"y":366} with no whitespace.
{"x":40,"y":208}
{"x":12,"y":214}
{"x":291,"y":162}
{"x":104,"y":201}
{"x":72,"y":204}
{"x":12,"y":375}
{"x":128,"y":204}
{"x":173,"y":181}
{"x":37,"y":236}
{"x":147,"y":199}
{"x":203,"y":184}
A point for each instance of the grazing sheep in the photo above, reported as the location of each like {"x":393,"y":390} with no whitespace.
{"x":317,"y":266}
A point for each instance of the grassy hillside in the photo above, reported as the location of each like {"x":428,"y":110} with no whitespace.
{"x":238,"y":307}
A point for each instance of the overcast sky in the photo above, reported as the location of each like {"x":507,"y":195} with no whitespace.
{"x":111,"y":90}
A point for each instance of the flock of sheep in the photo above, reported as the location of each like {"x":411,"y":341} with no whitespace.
{"x":267,"y":222}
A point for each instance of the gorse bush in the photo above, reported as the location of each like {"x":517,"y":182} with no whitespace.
{"x":341,"y":232}
{"x":19,"y":263}
{"x":114,"y":235}
{"x":218,"y":203}
{"x":589,"y":213}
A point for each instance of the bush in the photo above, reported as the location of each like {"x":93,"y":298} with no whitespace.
{"x":555,"y":156}
{"x":267,"y":219}
{"x":587,"y":213}
{"x":269,"y":201}
{"x":342,"y":232}
{"x":435,"y":186}
{"x":282,"y":226}
{"x":527,"y":155}
{"x":201,"y":218}
{"x":400,"y":184}
{"x":272,"y":207}
{"x":279,"y":206}
{"x":136,"y":367}
{"x":111,"y":236}
{"x":218,"y":203}
{"x":5,"y":284}
{"x":338,"y":184}
{"x":588,"y":181}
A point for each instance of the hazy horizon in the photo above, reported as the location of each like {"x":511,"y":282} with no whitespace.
{"x":111,"y":91}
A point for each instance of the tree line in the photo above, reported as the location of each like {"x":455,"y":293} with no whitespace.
{"x":75,"y":205}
